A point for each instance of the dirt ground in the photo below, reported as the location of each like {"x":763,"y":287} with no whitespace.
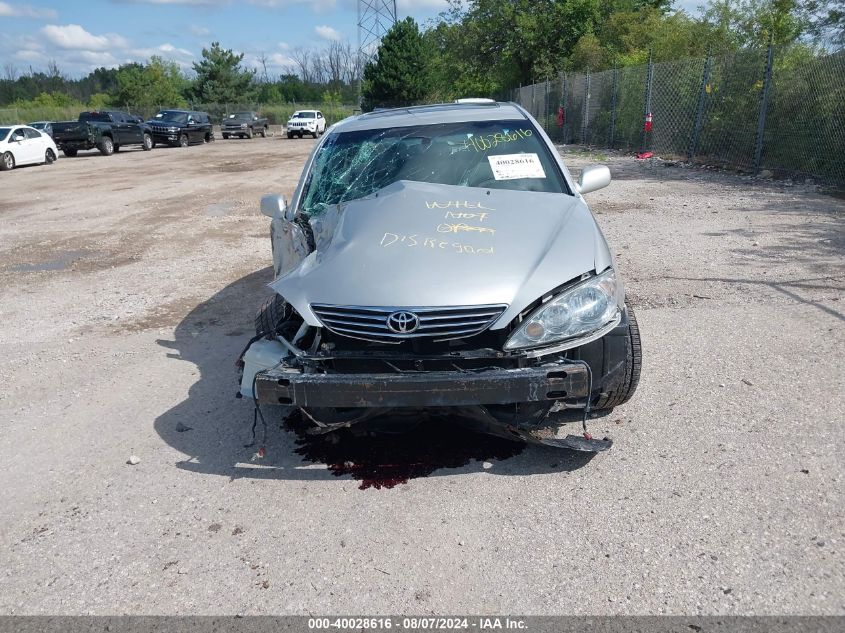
{"x":128,"y":287}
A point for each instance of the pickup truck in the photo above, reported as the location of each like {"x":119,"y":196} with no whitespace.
{"x":243,"y":125}
{"x":106,"y":131}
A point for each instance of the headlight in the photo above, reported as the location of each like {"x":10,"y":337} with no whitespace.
{"x":243,"y":124}
{"x":173,"y":129}
{"x":576,"y":313}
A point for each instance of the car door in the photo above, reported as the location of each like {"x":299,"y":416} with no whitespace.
{"x":22,"y":147}
{"x":193,"y":129}
{"x":37,"y":144}
{"x":127,"y":129}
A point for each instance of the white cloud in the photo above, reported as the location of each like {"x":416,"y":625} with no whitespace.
{"x":284,"y":46}
{"x":25,"y":11}
{"x":327,"y":32}
{"x":74,"y":37}
{"x":199,"y":31}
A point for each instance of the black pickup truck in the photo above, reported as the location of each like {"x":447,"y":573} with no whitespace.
{"x":243,"y":125}
{"x":107,"y":131}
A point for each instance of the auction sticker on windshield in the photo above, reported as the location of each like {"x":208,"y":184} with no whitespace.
{"x":514,"y":166}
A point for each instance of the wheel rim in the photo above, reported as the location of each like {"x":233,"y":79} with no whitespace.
{"x":148,"y":142}
{"x":48,"y":156}
{"x":10,"y":162}
{"x":183,"y":141}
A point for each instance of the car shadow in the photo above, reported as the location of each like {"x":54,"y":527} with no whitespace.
{"x":212,"y":426}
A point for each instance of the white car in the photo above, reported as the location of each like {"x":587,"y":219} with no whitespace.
{"x":304,"y":122}
{"x":23,"y":145}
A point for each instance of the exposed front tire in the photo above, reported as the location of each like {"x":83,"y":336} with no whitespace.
{"x":183,"y":140}
{"x":289,"y":135}
{"x":225,"y":137}
{"x":106,"y":146}
{"x":8,"y":162}
{"x":315,"y":134}
{"x":116,"y":149}
{"x":631,"y":370}
{"x":70,"y":153}
{"x":147,"y":144}
{"x":264,"y":132}
{"x":249,"y":133}
{"x":49,"y":157}
{"x":271,"y":316}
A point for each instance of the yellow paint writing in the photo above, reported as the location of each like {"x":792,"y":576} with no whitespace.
{"x":457,"y":228}
{"x":457,"y":204}
{"x":489,"y":141}
{"x":433,"y":243}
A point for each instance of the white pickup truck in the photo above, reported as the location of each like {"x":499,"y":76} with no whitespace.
{"x":304,"y":122}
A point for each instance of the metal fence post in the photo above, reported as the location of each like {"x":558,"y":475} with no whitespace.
{"x":614,"y":97}
{"x":548,"y":94}
{"x":586,"y":108}
{"x":764,"y":104}
{"x":647,"y":108}
{"x":533,"y":99}
{"x":699,"y":110}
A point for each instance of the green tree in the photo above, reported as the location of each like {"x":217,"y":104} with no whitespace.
{"x":220,"y":77}
{"x":401,"y":72}
{"x":156,"y":83}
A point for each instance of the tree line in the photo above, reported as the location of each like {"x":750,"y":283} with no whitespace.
{"x":486,"y":47}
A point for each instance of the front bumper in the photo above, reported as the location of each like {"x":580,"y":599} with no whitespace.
{"x":547,"y":383}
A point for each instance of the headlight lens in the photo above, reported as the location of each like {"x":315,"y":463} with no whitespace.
{"x":173,"y":129}
{"x":579,"y":311}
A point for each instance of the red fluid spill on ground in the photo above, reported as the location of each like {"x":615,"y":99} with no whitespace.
{"x":386,"y":460}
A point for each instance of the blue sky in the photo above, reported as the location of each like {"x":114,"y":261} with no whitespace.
{"x":86,"y":34}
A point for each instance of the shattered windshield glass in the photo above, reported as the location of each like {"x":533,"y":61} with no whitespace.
{"x":489,"y":154}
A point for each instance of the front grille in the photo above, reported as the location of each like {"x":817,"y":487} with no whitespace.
{"x":438,"y":324}
{"x":160,"y":129}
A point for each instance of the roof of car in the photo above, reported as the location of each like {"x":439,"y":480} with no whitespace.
{"x":430,"y":114}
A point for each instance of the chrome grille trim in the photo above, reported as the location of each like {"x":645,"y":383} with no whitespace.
{"x":369,"y":323}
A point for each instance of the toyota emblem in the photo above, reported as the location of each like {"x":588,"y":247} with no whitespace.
{"x":403,"y":322}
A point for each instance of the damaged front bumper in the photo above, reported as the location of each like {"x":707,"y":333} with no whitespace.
{"x":491,"y":386}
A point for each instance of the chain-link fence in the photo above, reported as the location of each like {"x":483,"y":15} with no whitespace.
{"x":781,"y":110}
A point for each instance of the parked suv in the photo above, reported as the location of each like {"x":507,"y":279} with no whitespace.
{"x":181,"y":127}
{"x":443,"y":257}
{"x":304,"y":122}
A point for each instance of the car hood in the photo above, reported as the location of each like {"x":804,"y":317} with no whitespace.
{"x":418,"y":244}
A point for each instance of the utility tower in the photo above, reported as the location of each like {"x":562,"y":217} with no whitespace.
{"x":375,"y":17}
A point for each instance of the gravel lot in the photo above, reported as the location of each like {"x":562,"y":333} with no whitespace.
{"x":128,"y":286}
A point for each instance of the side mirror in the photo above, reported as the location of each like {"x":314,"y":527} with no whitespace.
{"x":593,"y":178}
{"x":275,"y":206}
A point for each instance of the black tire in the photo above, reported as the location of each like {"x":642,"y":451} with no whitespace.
{"x":106,"y":146}
{"x":147,"y":142}
{"x":183,"y":140}
{"x":315,"y":134}
{"x":249,"y":133}
{"x":300,"y":135}
{"x":225,"y":137}
{"x":49,"y":157}
{"x":633,"y":364}
{"x":264,"y":132}
{"x":209,"y":137}
{"x":271,"y":315}
{"x":8,"y":162}
{"x":289,"y":135}
{"x":70,"y":153}
{"x":116,"y":149}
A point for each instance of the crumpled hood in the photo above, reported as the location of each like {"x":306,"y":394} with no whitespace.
{"x":418,"y":244}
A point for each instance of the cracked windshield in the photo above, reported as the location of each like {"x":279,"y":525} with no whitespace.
{"x":490,"y":154}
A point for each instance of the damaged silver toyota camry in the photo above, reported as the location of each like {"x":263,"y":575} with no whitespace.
{"x":441,"y":259}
